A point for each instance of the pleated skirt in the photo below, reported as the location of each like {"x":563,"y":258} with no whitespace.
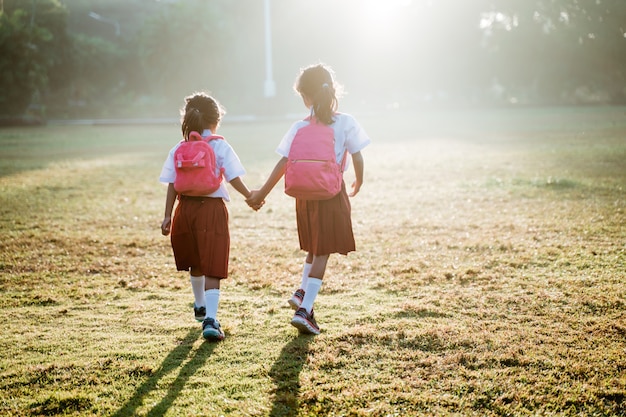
{"x":200,"y":236}
{"x":325,"y":226}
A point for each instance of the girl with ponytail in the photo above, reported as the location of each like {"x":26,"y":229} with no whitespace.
{"x":324,"y":226}
{"x":198,"y":228}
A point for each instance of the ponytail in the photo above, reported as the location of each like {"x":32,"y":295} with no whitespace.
{"x":317,"y":84}
{"x":325,"y":104}
{"x":201,"y":112}
{"x":192,"y":122}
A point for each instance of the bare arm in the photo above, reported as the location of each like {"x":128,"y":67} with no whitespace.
{"x":239,"y":185}
{"x":270,"y":183}
{"x":359,"y":164}
{"x":170,"y":199}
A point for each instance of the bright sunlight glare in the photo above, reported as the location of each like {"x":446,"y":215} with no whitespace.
{"x":380,"y":18}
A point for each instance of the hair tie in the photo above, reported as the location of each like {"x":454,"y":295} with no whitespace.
{"x":325,"y":85}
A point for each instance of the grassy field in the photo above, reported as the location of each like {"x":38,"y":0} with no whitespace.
{"x":488,"y":278}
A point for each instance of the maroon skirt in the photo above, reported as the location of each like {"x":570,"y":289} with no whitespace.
{"x":325,"y":226}
{"x":200,"y":236}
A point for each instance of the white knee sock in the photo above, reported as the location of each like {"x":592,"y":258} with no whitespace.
{"x":312,"y":288}
{"x":305,"y":275}
{"x":212,"y":300}
{"x":197,"y":286}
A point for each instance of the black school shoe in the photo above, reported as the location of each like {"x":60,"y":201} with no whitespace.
{"x":211,"y":330}
{"x":199,"y":312}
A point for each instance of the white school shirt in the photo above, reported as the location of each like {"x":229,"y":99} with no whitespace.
{"x":348,"y":135}
{"x":225,"y":157}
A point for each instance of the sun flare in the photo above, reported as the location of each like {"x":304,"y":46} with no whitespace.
{"x":381,"y":19}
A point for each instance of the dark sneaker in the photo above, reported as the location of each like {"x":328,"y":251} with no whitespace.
{"x":199,"y":312}
{"x":305,"y":322}
{"x":211,"y":330}
{"x":296,"y":299}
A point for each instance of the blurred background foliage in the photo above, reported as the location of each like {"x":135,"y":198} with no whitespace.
{"x":139,"y":58}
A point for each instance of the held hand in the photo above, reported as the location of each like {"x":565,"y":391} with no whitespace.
{"x":256,"y":207}
{"x":356,"y":186}
{"x":255,"y":200}
{"x":166,"y":226}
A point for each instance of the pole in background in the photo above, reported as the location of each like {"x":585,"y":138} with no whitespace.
{"x":270,"y":85}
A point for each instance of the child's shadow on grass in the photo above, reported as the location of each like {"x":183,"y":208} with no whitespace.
{"x":286,"y":376}
{"x":172,"y":362}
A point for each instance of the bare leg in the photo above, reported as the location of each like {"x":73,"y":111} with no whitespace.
{"x":318,"y":267}
{"x":210,"y":283}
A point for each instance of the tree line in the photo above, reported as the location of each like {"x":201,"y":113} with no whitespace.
{"x":138,"y":58}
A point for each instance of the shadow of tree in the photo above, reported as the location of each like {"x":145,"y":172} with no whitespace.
{"x":173,"y":361}
{"x":286,"y":376}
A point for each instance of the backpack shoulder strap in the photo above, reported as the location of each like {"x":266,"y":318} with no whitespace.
{"x":193,"y":136}
{"x":344,"y":159}
{"x":214,"y":137}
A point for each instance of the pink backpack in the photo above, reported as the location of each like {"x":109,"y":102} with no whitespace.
{"x":196,"y":171}
{"x":312,"y":171}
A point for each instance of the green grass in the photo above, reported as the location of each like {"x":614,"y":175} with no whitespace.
{"x":488,"y":278}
